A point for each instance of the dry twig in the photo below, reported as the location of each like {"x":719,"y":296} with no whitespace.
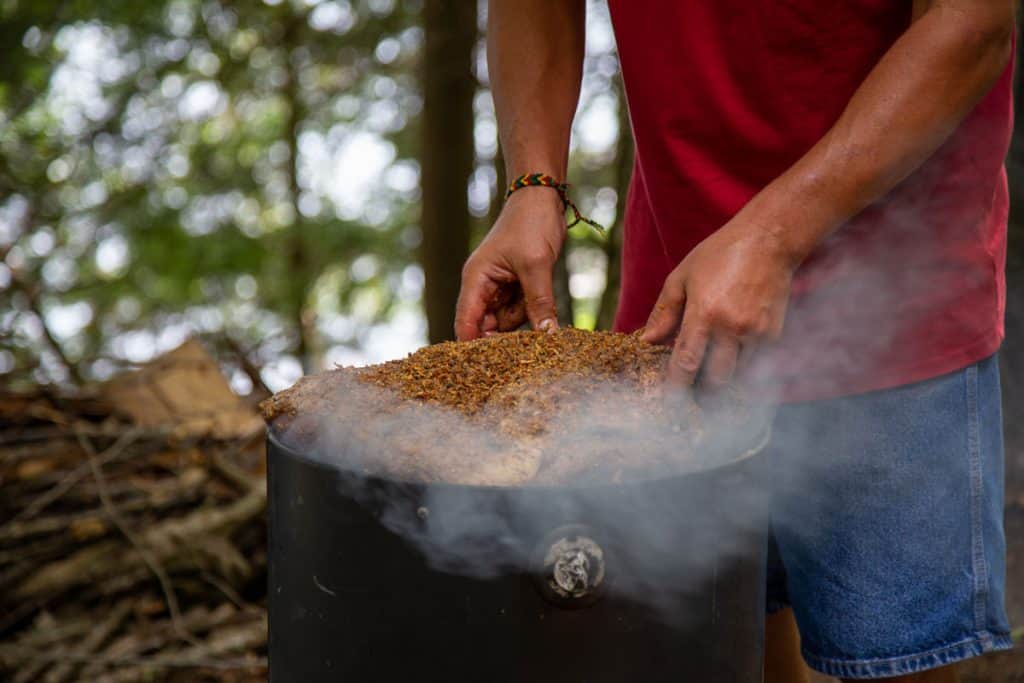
{"x":149,"y":558}
{"x":74,"y":476}
{"x":128,"y":552}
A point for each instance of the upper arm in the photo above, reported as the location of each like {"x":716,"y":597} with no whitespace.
{"x":983,"y":17}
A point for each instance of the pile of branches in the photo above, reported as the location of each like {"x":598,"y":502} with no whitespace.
{"x":127,"y":552}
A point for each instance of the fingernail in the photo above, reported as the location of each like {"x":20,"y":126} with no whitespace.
{"x":548,"y":325}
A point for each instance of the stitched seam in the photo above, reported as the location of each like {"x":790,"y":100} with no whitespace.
{"x":979,"y":567}
{"x":899,"y":666}
{"x":996,"y":639}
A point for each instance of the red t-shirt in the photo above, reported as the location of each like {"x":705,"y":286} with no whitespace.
{"x":724,"y":96}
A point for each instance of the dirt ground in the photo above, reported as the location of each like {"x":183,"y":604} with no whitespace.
{"x":1004,"y":667}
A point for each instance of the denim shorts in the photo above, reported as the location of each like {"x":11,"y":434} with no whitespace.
{"x":888,"y":525}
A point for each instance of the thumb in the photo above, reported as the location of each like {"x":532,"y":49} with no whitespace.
{"x":540,"y":299}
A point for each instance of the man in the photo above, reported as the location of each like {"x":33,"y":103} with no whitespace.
{"x":818,"y":201}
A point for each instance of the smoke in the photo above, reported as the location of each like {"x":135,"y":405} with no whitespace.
{"x":610,"y":500}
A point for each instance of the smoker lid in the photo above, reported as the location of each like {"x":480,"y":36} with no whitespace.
{"x":567,"y":409}
{"x":720,"y":449}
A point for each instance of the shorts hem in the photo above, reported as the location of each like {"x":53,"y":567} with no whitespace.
{"x":909,"y":664}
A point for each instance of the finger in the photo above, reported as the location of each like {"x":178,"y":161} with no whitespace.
{"x":688,"y":352}
{"x":746,"y":357}
{"x":511,"y":315}
{"x":663,"y":323}
{"x":540,"y":298}
{"x":508,"y":307}
{"x":720,"y":364}
{"x":474,"y":294}
{"x":490,"y":323}
{"x":778,"y":323}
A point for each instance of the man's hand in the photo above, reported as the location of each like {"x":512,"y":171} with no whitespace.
{"x":507,"y":280}
{"x":730,"y":292}
{"x":535,"y":63}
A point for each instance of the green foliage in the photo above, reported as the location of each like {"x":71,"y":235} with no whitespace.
{"x":241,"y":170}
{"x":178,"y":155}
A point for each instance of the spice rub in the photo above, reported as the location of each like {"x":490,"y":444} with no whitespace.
{"x":565,"y":407}
{"x":468,"y":375}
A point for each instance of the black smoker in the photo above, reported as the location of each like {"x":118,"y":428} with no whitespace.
{"x":660,"y":580}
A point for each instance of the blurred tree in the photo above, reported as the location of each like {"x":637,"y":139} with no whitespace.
{"x":251,"y":172}
{"x":203,"y":167}
{"x":623,"y":168}
{"x":447,"y":155}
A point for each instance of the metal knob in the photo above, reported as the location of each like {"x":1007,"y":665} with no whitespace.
{"x":571,"y":567}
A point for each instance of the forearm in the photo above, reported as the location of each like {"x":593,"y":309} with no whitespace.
{"x":535,"y":61}
{"x":908,"y":106}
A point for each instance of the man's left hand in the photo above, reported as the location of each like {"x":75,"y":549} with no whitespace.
{"x":728,"y":294}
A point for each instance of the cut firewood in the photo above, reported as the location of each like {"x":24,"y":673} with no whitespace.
{"x":93,"y":641}
{"x":167,"y":539}
{"x":132,"y":549}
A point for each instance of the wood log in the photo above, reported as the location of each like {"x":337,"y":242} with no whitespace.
{"x":17,"y":452}
{"x":92,"y":642}
{"x":93,"y":509}
{"x":30,"y":667}
{"x":225,"y":637}
{"x":165,"y":540}
{"x":74,"y":476}
{"x":179,"y":490}
{"x":210,"y":655}
{"x":139,"y":641}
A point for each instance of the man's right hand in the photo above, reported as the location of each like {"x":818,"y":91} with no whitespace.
{"x":507,"y":280}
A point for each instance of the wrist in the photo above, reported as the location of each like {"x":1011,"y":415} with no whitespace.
{"x":536,"y":197}
{"x":793,"y":221}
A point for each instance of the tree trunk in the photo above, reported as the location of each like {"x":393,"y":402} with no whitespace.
{"x":498,"y":200}
{"x":613,"y":245}
{"x":446,"y":157}
{"x":1015,"y":168}
{"x":564,"y":307}
{"x":298,"y":261}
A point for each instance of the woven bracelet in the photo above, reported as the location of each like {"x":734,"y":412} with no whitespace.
{"x":544,"y":180}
